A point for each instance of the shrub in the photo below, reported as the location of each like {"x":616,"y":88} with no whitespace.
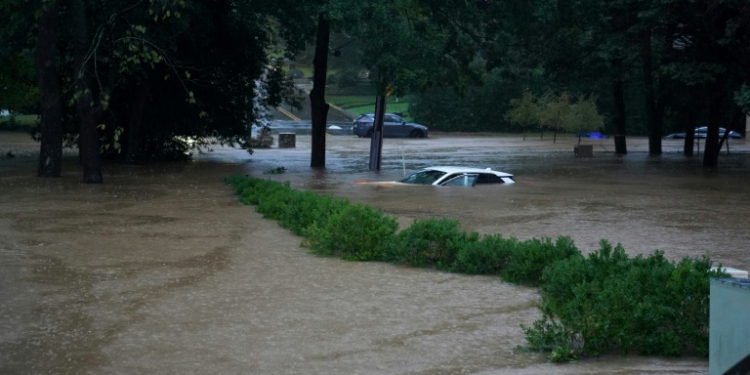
{"x":273,"y":202}
{"x":611,"y":302}
{"x":250,"y":189}
{"x":308,"y":208}
{"x":431,"y":242}
{"x":353,"y":233}
{"x":529,"y":259}
{"x":488,"y":256}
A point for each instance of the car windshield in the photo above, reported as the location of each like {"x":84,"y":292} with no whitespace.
{"x":423,"y":177}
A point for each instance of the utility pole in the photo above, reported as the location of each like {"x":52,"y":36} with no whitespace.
{"x":376,"y":140}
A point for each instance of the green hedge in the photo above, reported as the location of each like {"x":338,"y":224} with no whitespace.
{"x":606,"y":302}
{"x":353,"y":233}
{"x":429,"y":243}
{"x":609,"y":302}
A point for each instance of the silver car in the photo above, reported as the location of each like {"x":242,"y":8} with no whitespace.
{"x":393,"y":126}
{"x":458,"y":176}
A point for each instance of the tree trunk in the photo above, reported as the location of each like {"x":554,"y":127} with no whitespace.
{"x":737,"y":119}
{"x":318,"y":105}
{"x":711,"y":155}
{"x":618,"y":92}
{"x":653,"y":123}
{"x":50,"y":152}
{"x":88,"y":114}
{"x":690,"y":122}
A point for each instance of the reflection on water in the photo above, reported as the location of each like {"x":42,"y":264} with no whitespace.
{"x":161,"y":270}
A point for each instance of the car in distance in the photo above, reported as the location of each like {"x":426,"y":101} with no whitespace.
{"x":675,"y":136}
{"x":393,"y":126}
{"x":700,"y":132}
{"x":458,"y":176}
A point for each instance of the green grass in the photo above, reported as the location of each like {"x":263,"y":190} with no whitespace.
{"x":358,"y":104}
{"x":351,"y":101}
{"x":18,"y":122}
{"x":356,"y":111}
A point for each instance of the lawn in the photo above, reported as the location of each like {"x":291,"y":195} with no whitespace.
{"x":359,"y":104}
{"x":18,"y":122}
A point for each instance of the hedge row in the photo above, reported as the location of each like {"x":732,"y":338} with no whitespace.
{"x":606,"y":302}
{"x":337,"y":227}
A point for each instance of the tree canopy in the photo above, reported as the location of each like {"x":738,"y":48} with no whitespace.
{"x":650,"y":64}
{"x":137,"y":80}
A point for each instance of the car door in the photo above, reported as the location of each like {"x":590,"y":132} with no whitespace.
{"x":462,"y":179}
{"x":393,"y":126}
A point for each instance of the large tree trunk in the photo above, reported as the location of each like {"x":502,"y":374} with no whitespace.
{"x":50,"y":152}
{"x":88,"y":114}
{"x":618,"y":92}
{"x":653,"y":122}
{"x":318,"y":105}
{"x":711,"y":155}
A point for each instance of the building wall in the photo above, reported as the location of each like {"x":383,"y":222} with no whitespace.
{"x":729,"y":336}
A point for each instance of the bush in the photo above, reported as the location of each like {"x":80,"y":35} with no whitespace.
{"x":432,"y":242}
{"x":353,"y":233}
{"x":274,"y":200}
{"x":251,"y":190}
{"x":488,"y":256}
{"x":308,"y":208}
{"x":529,"y":259}
{"x":610,"y":302}
{"x":294,"y":210}
{"x":346,"y":80}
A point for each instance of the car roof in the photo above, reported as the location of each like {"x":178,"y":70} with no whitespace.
{"x":454,"y":169}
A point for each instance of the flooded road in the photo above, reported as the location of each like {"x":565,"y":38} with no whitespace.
{"x":161,"y":270}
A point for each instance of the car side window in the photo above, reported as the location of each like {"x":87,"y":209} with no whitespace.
{"x":390,"y":118}
{"x":488,"y":178}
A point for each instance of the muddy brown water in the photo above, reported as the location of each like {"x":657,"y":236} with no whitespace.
{"x":161,"y":270}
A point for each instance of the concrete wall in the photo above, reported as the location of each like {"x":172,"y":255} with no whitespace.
{"x":729,"y":336}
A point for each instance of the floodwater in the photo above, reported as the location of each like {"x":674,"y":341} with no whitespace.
{"x":161,"y":270}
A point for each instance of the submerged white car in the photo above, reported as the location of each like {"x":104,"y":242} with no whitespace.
{"x":458,"y":176}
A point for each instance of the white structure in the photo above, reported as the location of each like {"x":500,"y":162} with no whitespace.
{"x":729,"y":325}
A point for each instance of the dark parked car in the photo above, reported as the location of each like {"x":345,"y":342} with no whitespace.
{"x":393,"y":126}
{"x":701,"y":133}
